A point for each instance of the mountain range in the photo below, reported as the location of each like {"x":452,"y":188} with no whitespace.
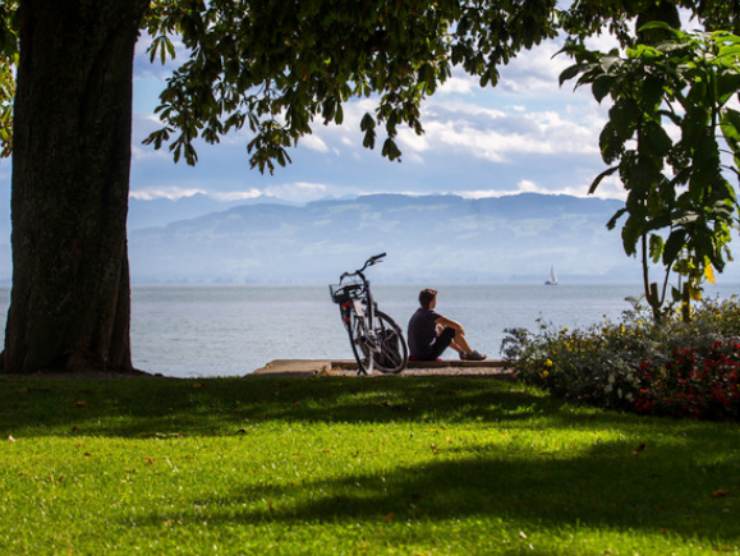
{"x":436,"y":239}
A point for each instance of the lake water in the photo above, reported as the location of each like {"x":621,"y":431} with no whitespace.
{"x":209,"y":331}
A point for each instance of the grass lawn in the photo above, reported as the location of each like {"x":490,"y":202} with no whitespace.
{"x":330,"y":465}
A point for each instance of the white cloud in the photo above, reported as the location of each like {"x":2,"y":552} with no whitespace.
{"x":463,"y":84}
{"x":172,"y":193}
{"x":229,"y":196}
{"x":535,"y":71}
{"x":433,"y":108}
{"x":299,"y":192}
{"x":610,"y":188}
{"x":410,"y":140}
{"x":147,"y":152}
{"x":544,"y":133}
{"x":315,"y":143}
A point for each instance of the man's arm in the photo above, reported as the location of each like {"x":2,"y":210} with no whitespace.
{"x":444,"y":322}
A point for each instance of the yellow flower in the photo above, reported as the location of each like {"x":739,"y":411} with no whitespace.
{"x":622,"y":329}
{"x":548,"y":362}
{"x":545,"y":374}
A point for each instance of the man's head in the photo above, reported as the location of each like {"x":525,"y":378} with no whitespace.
{"x":428,"y":298}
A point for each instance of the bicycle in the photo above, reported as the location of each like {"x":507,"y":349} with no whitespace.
{"x":377,"y":341}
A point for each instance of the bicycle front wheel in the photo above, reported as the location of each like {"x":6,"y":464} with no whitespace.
{"x":393,"y":354}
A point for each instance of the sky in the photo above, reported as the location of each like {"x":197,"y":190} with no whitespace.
{"x":526,"y":134}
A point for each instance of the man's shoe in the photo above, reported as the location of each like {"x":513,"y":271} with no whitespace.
{"x":472,"y":356}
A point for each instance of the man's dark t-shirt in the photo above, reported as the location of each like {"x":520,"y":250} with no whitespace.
{"x":421,"y":332}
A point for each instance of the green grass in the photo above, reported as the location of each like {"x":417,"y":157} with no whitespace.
{"x":388,"y":465}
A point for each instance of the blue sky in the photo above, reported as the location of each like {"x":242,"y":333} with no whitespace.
{"x":526,"y":134}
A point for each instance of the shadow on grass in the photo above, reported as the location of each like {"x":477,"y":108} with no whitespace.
{"x":217,"y":406}
{"x":606,"y":487}
{"x":149,"y":407}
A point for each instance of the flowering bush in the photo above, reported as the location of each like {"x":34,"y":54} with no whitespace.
{"x":673,"y":368}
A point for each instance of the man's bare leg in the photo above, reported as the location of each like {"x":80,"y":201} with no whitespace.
{"x":460,"y":344}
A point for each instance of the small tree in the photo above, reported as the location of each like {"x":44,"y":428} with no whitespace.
{"x":680,"y":208}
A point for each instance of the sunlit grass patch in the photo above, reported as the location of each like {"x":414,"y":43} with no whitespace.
{"x":397,"y":465}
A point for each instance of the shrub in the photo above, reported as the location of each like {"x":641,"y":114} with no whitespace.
{"x":672,"y":368}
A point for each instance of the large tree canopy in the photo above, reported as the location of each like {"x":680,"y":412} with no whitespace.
{"x":276,"y":67}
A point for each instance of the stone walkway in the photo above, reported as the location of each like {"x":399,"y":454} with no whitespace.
{"x":348,"y":368}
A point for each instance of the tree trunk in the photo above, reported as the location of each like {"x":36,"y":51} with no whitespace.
{"x":70,"y":302}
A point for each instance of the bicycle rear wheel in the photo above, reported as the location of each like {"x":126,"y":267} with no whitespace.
{"x":393,"y":355}
{"x":357,"y":331}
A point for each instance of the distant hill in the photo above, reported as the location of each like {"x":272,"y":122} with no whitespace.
{"x":145,"y":213}
{"x":436,"y":239}
{"x":433,"y":239}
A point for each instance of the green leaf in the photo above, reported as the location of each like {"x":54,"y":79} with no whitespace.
{"x":600,"y":177}
{"x":729,"y":51}
{"x":652,"y":93}
{"x":390,"y":149}
{"x":644,"y":52}
{"x":624,"y":116}
{"x":676,"y":241}
{"x":730,"y":126}
{"x":656,"y":247}
{"x":613,"y":220}
{"x":727,"y":85}
{"x":631,"y":232}
{"x":662,"y":25}
{"x":368,"y":140}
{"x":569,"y":73}
{"x":170,"y":47}
{"x":657,"y":139}
{"x":611,"y":143}
{"x":601,"y":86}
{"x":367,"y":122}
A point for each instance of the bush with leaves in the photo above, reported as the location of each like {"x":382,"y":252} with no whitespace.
{"x":670,"y":116}
{"x":669,"y":368}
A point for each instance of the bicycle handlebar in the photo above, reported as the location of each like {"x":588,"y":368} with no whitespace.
{"x":375,"y":259}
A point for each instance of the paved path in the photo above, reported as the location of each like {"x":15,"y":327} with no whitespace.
{"x":348,"y":368}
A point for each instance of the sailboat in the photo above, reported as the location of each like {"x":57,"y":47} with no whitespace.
{"x":552,"y":280}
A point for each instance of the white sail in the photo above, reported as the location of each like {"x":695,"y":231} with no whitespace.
{"x":553,"y":279}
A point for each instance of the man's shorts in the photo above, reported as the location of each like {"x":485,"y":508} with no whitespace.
{"x":435,"y":349}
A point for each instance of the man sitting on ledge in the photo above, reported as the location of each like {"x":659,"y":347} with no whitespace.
{"x":430,"y":333}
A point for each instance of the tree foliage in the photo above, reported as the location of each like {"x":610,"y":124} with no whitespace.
{"x":680,"y":207}
{"x":585,"y":18}
{"x":8,"y":61}
{"x":276,"y":66}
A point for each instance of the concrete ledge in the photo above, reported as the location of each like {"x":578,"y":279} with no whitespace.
{"x":348,"y":367}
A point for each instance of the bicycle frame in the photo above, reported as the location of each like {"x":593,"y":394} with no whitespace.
{"x":368,"y":301}
{"x":376,"y":339}
{"x":364,"y":306}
